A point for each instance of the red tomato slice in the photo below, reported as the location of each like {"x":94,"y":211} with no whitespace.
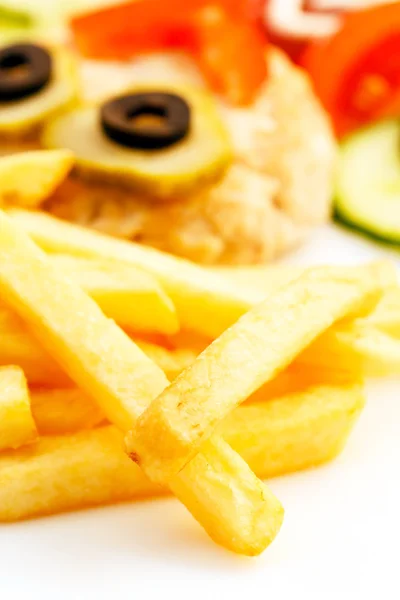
{"x":231,"y":55}
{"x":221,"y":34}
{"x":124,"y":30}
{"x":356,"y":72}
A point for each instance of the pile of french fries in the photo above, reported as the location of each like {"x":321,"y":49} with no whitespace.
{"x":127,"y":373}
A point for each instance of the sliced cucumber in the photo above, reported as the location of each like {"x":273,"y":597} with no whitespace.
{"x":198,"y":158}
{"x":19,"y":117}
{"x":368,"y":181}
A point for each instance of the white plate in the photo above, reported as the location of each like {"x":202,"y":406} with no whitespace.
{"x":339,"y":539}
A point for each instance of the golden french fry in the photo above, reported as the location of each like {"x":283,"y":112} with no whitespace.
{"x":265,"y":279}
{"x":235,"y":508}
{"x":358,"y":348}
{"x":62,"y":411}
{"x":17,"y":426}
{"x":295,"y":431}
{"x":28,"y":178}
{"x":253,"y":351}
{"x":188,"y":340}
{"x":90,"y":468}
{"x":68,"y":472}
{"x":172,"y":362}
{"x":19,"y":347}
{"x":298,"y":377}
{"x":205,"y":302}
{"x":386,"y":316}
{"x":130,"y":296}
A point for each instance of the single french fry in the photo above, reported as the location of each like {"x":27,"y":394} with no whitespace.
{"x":253,"y":351}
{"x":236,"y":509}
{"x":19,"y":347}
{"x":265,"y":279}
{"x":299,"y":377}
{"x":73,"y":472}
{"x":172,"y":362}
{"x":63,"y":411}
{"x":130,"y":296}
{"x":295,"y":431}
{"x":17,"y":426}
{"x":359,"y":348}
{"x":205,"y":302}
{"x":386,"y":316}
{"x":28,"y":178}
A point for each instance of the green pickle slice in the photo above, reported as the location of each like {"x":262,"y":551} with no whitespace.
{"x":20,"y":117}
{"x":199,"y":158}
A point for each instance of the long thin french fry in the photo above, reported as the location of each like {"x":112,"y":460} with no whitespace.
{"x":19,"y":347}
{"x":276,"y":437}
{"x":205,"y":302}
{"x":63,"y":411}
{"x":253,"y":351}
{"x":17,"y":426}
{"x":130,"y":296}
{"x":386,"y":316}
{"x":236,"y":508}
{"x":28,"y":178}
{"x":357,"y":348}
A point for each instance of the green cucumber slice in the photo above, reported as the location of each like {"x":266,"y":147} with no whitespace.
{"x":367,"y":187}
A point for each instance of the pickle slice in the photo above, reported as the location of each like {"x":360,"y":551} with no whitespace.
{"x":199,"y":158}
{"x":20,"y":117}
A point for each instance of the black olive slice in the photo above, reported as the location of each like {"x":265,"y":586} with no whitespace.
{"x":146,"y":121}
{"x":24,"y":70}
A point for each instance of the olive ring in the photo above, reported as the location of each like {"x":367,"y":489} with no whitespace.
{"x":24,"y":70}
{"x":120,"y":120}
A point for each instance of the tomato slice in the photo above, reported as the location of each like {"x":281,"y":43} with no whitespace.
{"x":356,"y":72}
{"x":222,"y":35}
{"x":231,"y":55}
{"x":123,"y":30}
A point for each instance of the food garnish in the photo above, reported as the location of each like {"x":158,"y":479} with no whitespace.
{"x":199,"y":153}
{"x":367,"y":189}
{"x":39,"y":82}
{"x":221,"y":35}
{"x":166,"y":120}
{"x":355,"y":72}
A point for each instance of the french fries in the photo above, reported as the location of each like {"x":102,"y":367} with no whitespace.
{"x":297,"y":361}
{"x":358,"y":348}
{"x":17,"y":426}
{"x":18,"y":346}
{"x":295,"y":431}
{"x":130,"y":296}
{"x":265,"y":279}
{"x":172,"y":362}
{"x":386,"y":316}
{"x":63,"y":411}
{"x":253,"y":351}
{"x":28,"y":178}
{"x":73,"y":472}
{"x":268,"y":279}
{"x":111,"y":369}
{"x":205,"y":302}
